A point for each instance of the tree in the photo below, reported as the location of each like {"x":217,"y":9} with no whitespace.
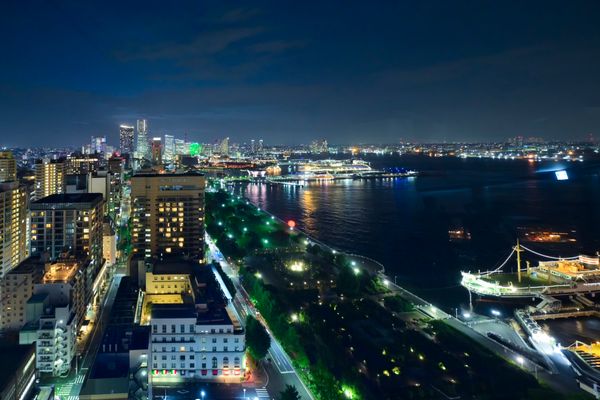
{"x":290,"y":393}
{"x":257,"y":338}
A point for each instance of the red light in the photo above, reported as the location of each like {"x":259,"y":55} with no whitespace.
{"x":291,"y":223}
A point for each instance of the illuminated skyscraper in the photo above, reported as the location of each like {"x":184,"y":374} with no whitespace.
{"x":168,"y":214}
{"x":156,"y":151}
{"x":8,"y":167}
{"x":169,"y":149}
{"x":180,"y":147}
{"x":49,"y":178}
{"x":13,"y":225}
{"x":224,"y":146}
{"x":126,"y":139}
{"x":252,"y":146}
{"x":98,"y":144}
{"x":142,"y":148}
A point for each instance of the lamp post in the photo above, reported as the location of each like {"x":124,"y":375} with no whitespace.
{"x":244,"y":393}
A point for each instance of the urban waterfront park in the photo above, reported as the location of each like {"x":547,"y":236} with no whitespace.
{"x":349,"y":333}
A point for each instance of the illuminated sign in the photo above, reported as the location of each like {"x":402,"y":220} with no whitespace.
{"x":194,"y":149}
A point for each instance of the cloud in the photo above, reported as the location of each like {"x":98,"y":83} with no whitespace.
{"x":205,"y":44}
{"x":275,"y":46}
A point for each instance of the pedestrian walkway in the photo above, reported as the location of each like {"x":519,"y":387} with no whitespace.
{"x":262,"y":393}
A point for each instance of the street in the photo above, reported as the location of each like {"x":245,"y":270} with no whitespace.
{"x":69,"y":388}
{"x":280,"y":370}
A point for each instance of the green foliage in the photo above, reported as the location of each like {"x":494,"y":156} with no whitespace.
{"x":290,"y":393}
{"x":257,"y":338}
{"x":398,"y":304}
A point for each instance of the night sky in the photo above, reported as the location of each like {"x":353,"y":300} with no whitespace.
{"x":290,"y":72}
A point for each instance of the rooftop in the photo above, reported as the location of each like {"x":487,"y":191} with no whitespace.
{"x":64,"y":199}
{"x":27,"y":266}
{"x":168,"y":311}
{"x":61,"y":271}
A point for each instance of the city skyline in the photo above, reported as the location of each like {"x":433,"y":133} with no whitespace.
{"x":290,"y":74}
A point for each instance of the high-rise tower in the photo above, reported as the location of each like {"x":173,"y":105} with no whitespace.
{"x":142,"y":139}
{"x":8,"y":167}
{"x":168,"y":214}
{"x":126,"y":139}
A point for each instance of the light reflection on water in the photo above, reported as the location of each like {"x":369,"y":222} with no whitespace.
{"x":404,"y":223}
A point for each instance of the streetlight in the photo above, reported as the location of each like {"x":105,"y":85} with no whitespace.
{"x":244,"y":393}
{"x":520,"y":360}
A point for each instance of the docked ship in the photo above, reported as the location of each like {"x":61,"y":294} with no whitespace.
{"x":343,"y":169}
{"x":331,"y":169}
{"x":557,"y":277}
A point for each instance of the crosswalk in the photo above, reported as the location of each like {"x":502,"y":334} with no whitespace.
{"x":72,"y":398}
{"x":262,"y":393}
{"x":64,"y":390}
{"x":79,"y":379}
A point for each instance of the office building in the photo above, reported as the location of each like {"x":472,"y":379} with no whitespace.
{"x":77,"y":164}
{"x":126,"y":139}
{"x":13,"y":225}
{"x":224,"y":147}
{"x":49,"y":177}
{"x":142,"y":139}
{"x":70,"y":223}
{"x":98,"y":145}
{"x":169,"y":149}
{"x":156,"y":151}
{"x":195,"y":334}
{"x":16,"y":288}
{"x":8,"y":167}
{"x":168,"y":214}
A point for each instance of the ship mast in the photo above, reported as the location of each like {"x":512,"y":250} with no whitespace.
{"x":518,"y":249}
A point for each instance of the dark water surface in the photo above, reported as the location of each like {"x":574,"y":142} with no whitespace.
{"x":404,"y":222}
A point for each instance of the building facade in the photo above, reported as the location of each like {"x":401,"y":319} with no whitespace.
{"x":13,"y":225}
{"x":126,"y":139}
{"x":169,"y":149}
{"x":142,"y":146}
{"x":188,"y":344}
{"x":8,"y":167}
{"x":69,"y":223}
{"x":98,"y":145}
{"x":54,"y":314}
{"x":49,"y":178}
{"x":77,"y":164}
{"x":168,"y":214}
{"x":156,"y":151}
{"x":16,"y":288}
